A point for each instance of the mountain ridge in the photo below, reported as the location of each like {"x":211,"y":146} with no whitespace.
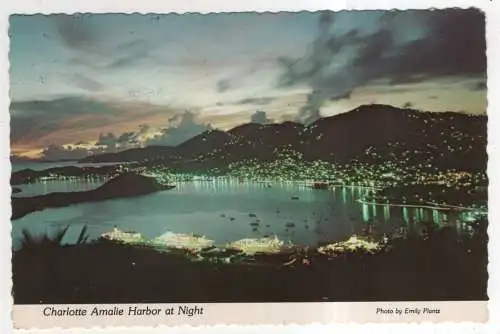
{"x":386,"y":131}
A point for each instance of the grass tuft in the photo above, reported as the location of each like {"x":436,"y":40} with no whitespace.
{"x":29,"y":241}
{"x":83,"y":236}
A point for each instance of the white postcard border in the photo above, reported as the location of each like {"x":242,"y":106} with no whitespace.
{"x":175,"y":314}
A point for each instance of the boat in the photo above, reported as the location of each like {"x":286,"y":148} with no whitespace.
{"x":319,"y":185}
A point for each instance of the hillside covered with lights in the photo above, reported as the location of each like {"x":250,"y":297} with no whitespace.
{"x":368,"y":134}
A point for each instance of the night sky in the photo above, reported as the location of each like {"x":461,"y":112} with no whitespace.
{"x":99,"y":83}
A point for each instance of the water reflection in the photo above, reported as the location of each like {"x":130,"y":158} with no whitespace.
{"x":50,"y":186}
{"x":15,"y":167}
{"x":366,"y":213}
{"x":387,"y":212}
{"x":374,"y":211}
{"x":406,"y":215}
{"x":231,"y":210}
{"x":436,"y":217}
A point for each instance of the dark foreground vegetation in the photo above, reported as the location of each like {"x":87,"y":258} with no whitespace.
{"x":434,"y":265}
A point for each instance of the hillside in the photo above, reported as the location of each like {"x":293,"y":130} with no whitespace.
{"x":369,"y":133}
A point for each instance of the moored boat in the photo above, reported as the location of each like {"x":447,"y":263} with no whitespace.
{"x":319,"y":185}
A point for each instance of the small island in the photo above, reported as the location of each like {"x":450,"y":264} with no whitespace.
{"x":128,"y":184}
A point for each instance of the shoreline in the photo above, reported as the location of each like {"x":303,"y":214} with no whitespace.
{"x":404,"y":205}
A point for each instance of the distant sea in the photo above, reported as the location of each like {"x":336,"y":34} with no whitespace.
{"x":46,"y":165}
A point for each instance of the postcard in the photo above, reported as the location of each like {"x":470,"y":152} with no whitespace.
{"x":248,"y":167}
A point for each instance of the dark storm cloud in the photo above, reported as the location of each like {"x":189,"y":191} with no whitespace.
{"x":181,"y":127}
{"x":35,"y":118}
{"x":260,"y":117}
{"x":455,"y":45}
{"x":75,"y":32}
{"x":79,"y":33}
{"x":452,"y":43}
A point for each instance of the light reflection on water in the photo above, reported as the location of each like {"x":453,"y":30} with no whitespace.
{"x":226,"y":211}
{"x":50,"y":186}
{"x":15,"y":167}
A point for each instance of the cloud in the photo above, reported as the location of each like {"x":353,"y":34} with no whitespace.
{"x":455,"y":44}
{"x":345,"y":96}
{"x":126,"y":140}
{"x":128,"y":60}
{"x":93,"y":45}
{"x":240,"y":76}
{"x":108,"y":140}
{"x":256,"y":101}
{"x":310,"y":112}
{"x":75,"y":32}
{"x":56,"y":152}
{"x":15,"y":158}
{"x":106,"y":143}
{"x":32,"y":119}
{"x":70,"y":105}
{"x":260,"y":117}
{"x":402,"y":47}
{"x":64,"y":120}
{"x":86,"y":83}
{"x":131,"y":53}
{"x":181,"y":127}
{"x":223,"y":85}
{"x":478,"y":86}
{"x":259,"y":101}
{"x":143,"y":129}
